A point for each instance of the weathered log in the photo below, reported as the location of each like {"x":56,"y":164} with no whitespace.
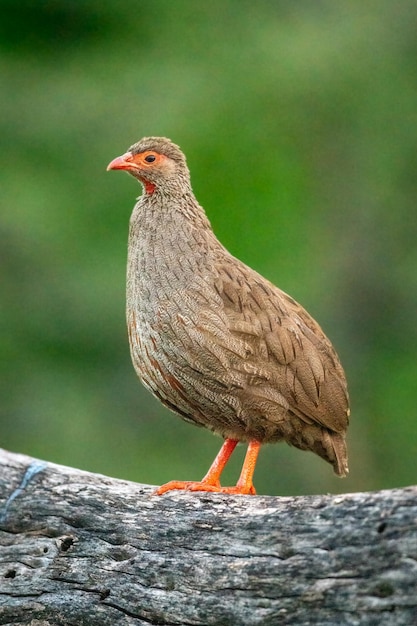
{"x":83,"y":549}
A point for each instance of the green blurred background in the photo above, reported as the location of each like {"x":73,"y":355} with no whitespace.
{"x":299,"y":121}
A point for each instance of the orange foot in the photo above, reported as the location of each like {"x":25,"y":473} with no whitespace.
{"x":187,"y":485}
{"x":211,"y":481}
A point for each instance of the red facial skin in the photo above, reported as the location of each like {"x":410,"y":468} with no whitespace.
{"x":137,"y":165}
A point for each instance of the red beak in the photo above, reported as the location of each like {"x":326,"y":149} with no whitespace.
{"x":123,"y":162}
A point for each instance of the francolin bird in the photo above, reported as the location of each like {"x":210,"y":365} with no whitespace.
{"x":214,"y":340}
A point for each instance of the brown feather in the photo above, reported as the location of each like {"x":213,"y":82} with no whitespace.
{"x":214,"y":340}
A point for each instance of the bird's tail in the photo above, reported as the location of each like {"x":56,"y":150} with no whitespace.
{"x":340,"y":457}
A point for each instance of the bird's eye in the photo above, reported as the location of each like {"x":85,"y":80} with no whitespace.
{"x":150,"y":158}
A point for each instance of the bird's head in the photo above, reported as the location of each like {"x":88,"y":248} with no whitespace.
{"x":156,"y":162}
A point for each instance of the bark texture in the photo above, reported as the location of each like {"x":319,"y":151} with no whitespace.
{"x":80,"y":549}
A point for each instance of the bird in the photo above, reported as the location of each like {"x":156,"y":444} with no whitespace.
{"x":215,"y":341}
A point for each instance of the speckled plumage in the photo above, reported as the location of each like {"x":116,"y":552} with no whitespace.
{"x":214,"y":340}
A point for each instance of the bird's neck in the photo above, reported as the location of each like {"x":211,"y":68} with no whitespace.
{"x":158,"y":212}
{"x":170,"y":243}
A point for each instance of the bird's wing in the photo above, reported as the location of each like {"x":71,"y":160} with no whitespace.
{"x":287,"y":348}
{"x":240,"y":341}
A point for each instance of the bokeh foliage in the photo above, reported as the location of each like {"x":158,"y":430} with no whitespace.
{"x":299,"y":121}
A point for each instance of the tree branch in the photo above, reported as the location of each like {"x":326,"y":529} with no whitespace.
{"x":79,"y":548}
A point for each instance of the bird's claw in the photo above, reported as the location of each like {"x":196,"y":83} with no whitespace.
{"x":186,"y":485}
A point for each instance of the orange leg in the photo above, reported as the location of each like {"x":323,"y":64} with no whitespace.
{"x":211,"y":481}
